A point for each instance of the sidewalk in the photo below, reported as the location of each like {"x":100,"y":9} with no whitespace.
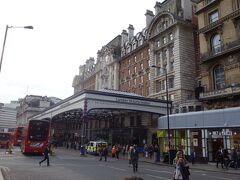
{"x":202,"y":167}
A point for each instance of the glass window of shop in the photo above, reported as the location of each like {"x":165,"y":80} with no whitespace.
{"x":226,"y":138}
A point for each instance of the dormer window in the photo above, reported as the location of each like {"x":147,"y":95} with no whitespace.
{"x":128,"y":49}
{"x":140,"y":42}
{"x":134,"y":46}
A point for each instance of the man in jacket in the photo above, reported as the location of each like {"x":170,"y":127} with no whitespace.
{"x":46,"y":156}
{"x":134,"y":158}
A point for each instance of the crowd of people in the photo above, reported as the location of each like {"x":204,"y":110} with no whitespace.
{"x":227,"y":159}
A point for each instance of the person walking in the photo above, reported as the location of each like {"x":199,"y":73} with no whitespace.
{"x":100,"y":150}
{"x":129,"y":156}
{"x":181,"y":171}
{"x":193,"y":157}
{"x":219,"y":157}
{"x":113,"y":151}
{"x":46,"y":156}
{"x":134,"y":158}
{"x":105,"y":153}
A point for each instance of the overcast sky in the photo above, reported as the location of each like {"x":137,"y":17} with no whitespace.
{"x":44,"y":61}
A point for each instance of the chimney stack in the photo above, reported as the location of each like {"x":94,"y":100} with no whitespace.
{"x":124,"y":37}
{"x":157,"y":8}
{"x":130,"y":31}
{"x":149,"y":16}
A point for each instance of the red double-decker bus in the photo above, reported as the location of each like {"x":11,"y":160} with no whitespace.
{"x":18,"y":135}
{"x":35,"y":137}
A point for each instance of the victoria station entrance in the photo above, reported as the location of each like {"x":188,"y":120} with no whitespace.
{"x":113,"y":116}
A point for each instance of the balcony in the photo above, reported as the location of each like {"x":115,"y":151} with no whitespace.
{"x":222,"y":49}
{"x":219,"y":22}
{"x":207,"y":6}
{"x":221,"y":93}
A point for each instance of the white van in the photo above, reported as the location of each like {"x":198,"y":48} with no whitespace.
{"x":94,"y":146}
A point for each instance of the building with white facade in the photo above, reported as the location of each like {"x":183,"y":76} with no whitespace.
{"x":8,"y":114}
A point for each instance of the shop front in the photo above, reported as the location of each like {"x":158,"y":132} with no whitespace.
{"x":202,"y":132}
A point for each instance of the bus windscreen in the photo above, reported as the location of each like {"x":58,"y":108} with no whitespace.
{"x":4,"y":136}
{"x":38,"y":130}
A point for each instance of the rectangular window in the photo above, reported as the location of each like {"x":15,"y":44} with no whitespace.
{"x":170,"y":52}
{"x":135,"y":59}
{"x":163,"y":85}
{"x":131,"y":121}
{"x":158,"y":86}
{"x":171,"y":36}
{"x":164,"y":54}
{"x":158,"y":58}
{"x":164,"y":40}
{"x":141,"y":66}
{"x":141,"y":55}
{"x":158,"y":71}
{"x":158,"y":43}
{"x":171,"y":82}
{"x":129,"y":62}
{"x":213,"y":16}
{"x":141,"y":79}
{"x":209,"y":1}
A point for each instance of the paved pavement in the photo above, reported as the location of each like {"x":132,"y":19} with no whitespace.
{"x":197,"y":166}
{"x":63,"y":152}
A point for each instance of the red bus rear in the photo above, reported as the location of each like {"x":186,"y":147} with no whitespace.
{"x":35,"y":137}
{"x":18,"y":135}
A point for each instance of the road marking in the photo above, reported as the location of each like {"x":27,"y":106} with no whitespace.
{"x":153,"y":170}
{"x":158,"y":177}
{"x":112,"y":167}
{"x":217,"y":177}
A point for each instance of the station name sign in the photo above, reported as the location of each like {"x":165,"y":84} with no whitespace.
{"x":132,"y":101}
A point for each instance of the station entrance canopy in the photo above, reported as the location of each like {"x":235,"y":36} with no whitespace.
{"x":86,"y":101}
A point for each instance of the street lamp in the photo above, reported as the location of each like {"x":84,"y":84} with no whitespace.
{"x":5,"y":37}
{"x":168,"y":126}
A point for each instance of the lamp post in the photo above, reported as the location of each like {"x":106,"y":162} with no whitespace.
{"x":168,"y":126}
{"x":5,"y":37}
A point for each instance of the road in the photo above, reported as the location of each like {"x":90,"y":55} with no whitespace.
{"x":66,"y":165}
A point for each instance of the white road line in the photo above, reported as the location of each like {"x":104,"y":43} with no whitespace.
{"x":153,"y":170}
{"x":158,"y":177}
{"x":217,"y":177}
{"x":112,"y":167}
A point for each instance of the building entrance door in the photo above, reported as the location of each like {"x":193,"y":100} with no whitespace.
{"x":213,"y":146}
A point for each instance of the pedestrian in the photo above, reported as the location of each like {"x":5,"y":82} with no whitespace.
{"x":156,"y":153}
{"x":117,"y":152}
{"x":193,"y":156}
{"x":134,"y":158}
{"x":181,"y":170}
{"x":113,"y":151}
{"x":100,"y":150}
{"x":46,"y":156}
{"x":105,"y":153}
{"x":219,"y":157}
{"x":129,"y":156}
{"x":234,"y":158}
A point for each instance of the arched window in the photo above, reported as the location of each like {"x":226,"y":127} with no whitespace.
{"x":218,"y":73}
{"x":216,"y":44}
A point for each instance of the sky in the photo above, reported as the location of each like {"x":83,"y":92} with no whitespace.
{"x":43,"y":61}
